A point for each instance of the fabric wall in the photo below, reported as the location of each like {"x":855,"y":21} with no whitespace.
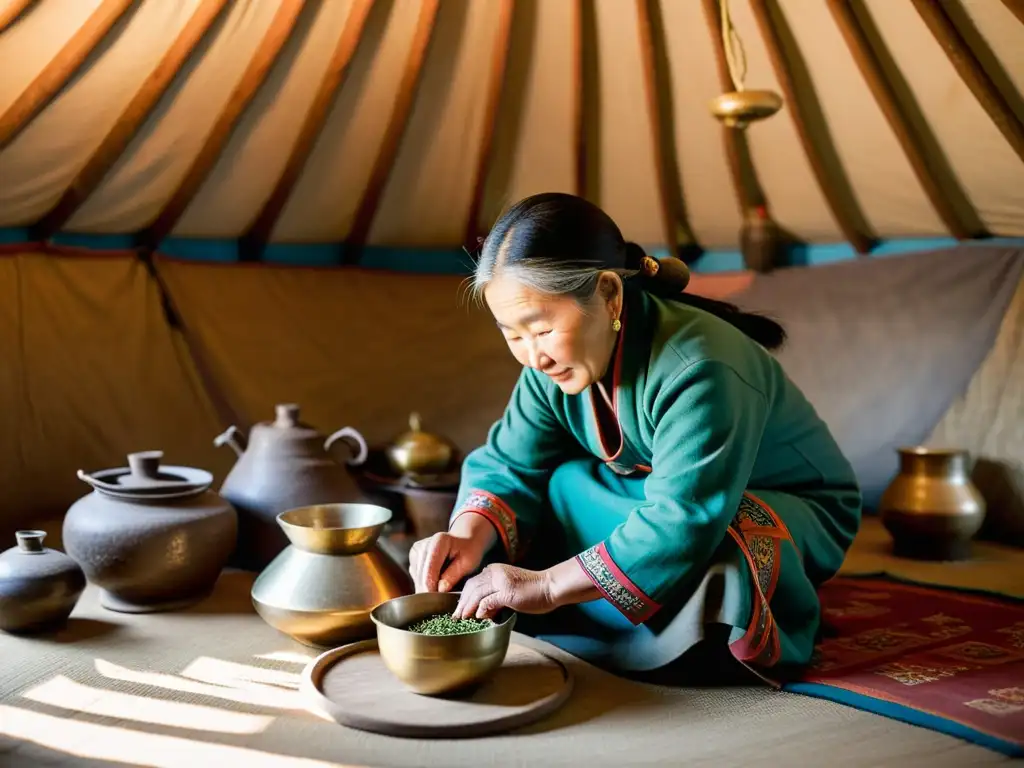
{"x":93,"y":367}
{"x":89,"y":371}
{"x":988,"y":420}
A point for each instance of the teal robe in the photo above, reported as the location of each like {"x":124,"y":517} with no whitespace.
{"x":707,"y":491}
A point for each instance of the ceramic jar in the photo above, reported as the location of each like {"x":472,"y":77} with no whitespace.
{"x":284,"y":464}
{"x":39,"y":587}
{"x":152,"y":537}
{"x":931,"y":508}
{"x":321,"y":588}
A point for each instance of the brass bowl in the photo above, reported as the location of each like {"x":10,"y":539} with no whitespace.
{"x":434,"y":665}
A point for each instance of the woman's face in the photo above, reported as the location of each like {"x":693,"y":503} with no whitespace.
{"x":555,"y":335}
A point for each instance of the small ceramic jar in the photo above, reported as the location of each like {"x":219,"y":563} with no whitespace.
{"x":39,"y":587}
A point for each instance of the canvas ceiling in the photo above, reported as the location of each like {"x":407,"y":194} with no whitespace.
{"x":219,"y":107}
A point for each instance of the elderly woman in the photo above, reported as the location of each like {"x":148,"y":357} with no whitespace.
{"x":656,"y":479}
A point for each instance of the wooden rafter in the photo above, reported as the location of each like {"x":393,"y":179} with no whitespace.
{"x":131,"y":120}
{"x":255,"y":73}
{"x":972,"y":73}
{"x":499,"y":63}
{"x":579,"y":129}
{"x":955,"y":218}
{"x":678,"y":233}
{"x":744,"y":180}
{"x":13,"y":10}
{"x":586,"y":106}
{"x":61,"y":68}
{"x":1016,"y":8}
{"x":389,"y":146}
{"x":817,"y":144}
{"x":256,"y":237}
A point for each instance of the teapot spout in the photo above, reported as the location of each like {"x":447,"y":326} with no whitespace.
{"x":233,"y":438}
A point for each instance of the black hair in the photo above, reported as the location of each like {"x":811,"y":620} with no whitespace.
{"x":560,"y":243}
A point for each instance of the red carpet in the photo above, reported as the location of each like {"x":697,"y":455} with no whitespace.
{"x":947,"y":660}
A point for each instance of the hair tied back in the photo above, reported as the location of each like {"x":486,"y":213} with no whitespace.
{"x":649,"y":266}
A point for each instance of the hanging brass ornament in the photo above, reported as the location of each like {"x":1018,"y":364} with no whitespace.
{"x":738,"y":109}
{"x":741,"y":107}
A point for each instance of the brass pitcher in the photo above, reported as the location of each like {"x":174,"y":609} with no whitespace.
{"x":320,"y":589}
{"x":931,"y":509}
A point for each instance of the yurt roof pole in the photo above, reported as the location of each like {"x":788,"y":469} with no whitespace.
{"x":255,"y":73}
{"x":388,"y":151}
{"x":13,"y":10}
{"x":966,"y":64}
{"x":586,"y":112}
{"x":749,"y":193}
{"x":258,"y":235}
{"x":61,"y":68}
{"x":131,"y":120}
{"x":806,"y":112}
{"x":1016,"y":8}
{"x":499,"y":65}
{"x":933,"y":172}
{"x":679,"y":236}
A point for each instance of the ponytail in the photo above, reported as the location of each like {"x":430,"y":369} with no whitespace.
{"x":668,"y":277}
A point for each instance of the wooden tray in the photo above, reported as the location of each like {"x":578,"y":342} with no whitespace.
{"x":351,"y":686}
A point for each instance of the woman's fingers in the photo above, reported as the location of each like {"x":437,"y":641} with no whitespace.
{"x":454,"y":572}
{"x":475,"y":589}
{"x":437,"y":552}
{"x":416,"y":563}
{"x":489,"y":606}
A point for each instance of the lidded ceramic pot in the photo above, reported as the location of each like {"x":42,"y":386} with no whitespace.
{"x":153,"y":537}
{"x":39,"y":587}
{"x":285,"y":464}
{"x":320,"y":589}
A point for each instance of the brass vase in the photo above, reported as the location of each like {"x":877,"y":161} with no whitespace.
{"x":931,"y":509}
{"x":320,"y":589}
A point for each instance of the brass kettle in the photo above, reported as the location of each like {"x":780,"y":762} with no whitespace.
{"x":417,"y":452}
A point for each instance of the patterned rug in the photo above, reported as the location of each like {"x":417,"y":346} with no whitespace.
{"x":951,"y":661}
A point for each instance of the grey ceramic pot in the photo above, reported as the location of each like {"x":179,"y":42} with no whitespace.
{"x":39,"y":587}
{"x":285,"y":464}
{"x":152,"y":537}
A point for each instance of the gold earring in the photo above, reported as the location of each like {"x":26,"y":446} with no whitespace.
{"x":616,"y":325}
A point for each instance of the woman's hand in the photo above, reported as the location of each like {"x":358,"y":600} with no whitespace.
{"x":505,"y":586}
{"x":441,"y":561}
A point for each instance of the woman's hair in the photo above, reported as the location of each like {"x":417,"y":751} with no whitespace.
{"x":559,"y":244}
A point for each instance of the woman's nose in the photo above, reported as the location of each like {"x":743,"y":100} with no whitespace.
{"x":536,"y":357}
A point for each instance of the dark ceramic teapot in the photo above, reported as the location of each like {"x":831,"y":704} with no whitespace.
{"x":284,"y":464}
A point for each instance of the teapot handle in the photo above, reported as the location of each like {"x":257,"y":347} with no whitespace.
{"x":352,"y":434}
{"x":230,"y":437}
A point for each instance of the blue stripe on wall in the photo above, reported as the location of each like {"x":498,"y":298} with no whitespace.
{"x":455,"y":261}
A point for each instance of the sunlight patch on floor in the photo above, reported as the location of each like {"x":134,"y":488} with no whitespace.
{"x":122,"y":745}
{"x":287,"y":656}
{"x":67,"y":694}
{"x":238,"y":691}
{"x":231,"y":673}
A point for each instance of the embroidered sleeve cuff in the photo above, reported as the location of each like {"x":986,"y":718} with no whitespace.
{"x":499,"y":513}
{"x":617,"y":589}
